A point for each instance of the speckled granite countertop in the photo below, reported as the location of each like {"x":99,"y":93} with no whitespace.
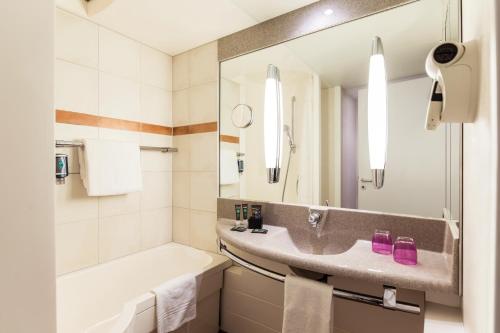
{"x":347,"y":252}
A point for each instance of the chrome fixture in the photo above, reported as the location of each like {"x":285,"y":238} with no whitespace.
{"x":77,"y":144}
{"x":316,"y":216}
{"x":291,"y":145}
{"x":242,"y":116}
{"x":388,"y":301}
{"x":273,"y":124}
{"x":377,"y":113}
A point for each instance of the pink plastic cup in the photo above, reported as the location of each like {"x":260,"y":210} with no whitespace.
{"x":382,"y":242}
{"x":405,"y":251}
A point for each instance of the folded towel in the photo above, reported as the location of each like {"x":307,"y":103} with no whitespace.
{"x":228,"y":167}
{"x":110,"y":167}
{"x":308,"y":306}
{"x":175,"y":302}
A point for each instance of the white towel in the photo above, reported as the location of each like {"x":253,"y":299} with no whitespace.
{"x":110,"y":167}
{"x":228,"y":167}
{"x":175,"y":302}
{"x":308,"y":306}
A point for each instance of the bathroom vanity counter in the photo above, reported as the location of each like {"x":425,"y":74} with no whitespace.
{"x":339,"y":253}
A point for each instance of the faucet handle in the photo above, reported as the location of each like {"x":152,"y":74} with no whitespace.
{"x":316,"y":215}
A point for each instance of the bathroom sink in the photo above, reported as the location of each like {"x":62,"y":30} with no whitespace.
{"x":309,"y":242}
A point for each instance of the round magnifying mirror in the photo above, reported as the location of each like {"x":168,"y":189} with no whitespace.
{"x":242,"y":116}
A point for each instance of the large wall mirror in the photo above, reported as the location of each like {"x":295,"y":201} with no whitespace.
{"x":324,"y":126}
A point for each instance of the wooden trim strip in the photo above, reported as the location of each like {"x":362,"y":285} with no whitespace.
{"x":196,"y":129}
{"x":229,"y":139}
{"x":76,"y":118}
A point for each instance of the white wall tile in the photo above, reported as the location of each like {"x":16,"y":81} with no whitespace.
{"x":181,"y":189}
{"x":181,"y":159}
{"x":180,"y":69}
{"x":153,"y":160}
{"x":76,"y":88}
{"x":156,"y":226}
{"x":156,"y":68}
{"x":202,"y":230}
{"x":72,"y":202}
{"x":203,"y":191}
{"x":119,"y":55}
{"x":76,"y":40}
{"x":156,"y":106}
{"x":119,"y":204}
{"x":76,"y":245}
{"x":180,"y":109}
{"x":203,"y":103}
{"x":181,"y":218}
{"x":119,"y":98}
{"x":119,"y":135}
{"x":157,"y":190}
{"x":203,"y":64}
{"x":203,"y":151}
{"x":119,"y":236}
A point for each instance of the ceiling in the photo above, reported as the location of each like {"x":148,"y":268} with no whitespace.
{"x":175,"y":26}
{"x":340,"y":55}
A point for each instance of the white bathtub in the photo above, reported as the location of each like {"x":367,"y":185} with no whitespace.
{"x":115,"y":297}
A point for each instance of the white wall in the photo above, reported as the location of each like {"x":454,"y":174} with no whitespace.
{"x":416,"y":163}
{"x":27,"y":279}
{"x":480,"y":177}
{"x":102,"y":73}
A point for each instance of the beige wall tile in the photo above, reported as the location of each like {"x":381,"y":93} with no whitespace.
{"x":118,"y":55}
{"x":156,"y":68}
{"x":182,"y":157}
{"x":203,"y":151}
{"x":119,"y":236}
{"x":156,"y":161}
{"x":203,"y":191}
{"x":76,"y":245}
{"x":203,"y":103}
{"x":156,"y":227}
{"x":119,"y":204}
{"x":202,"y":230}
{"x":203,"y":64}
{"x":76,"y":40}
{"x":181,"y":189}
{"x":119,"y":135}
{"x":119,"y":98}
{"x":72,"y":202}
{"x":180,"y":110}
{"x":76,"y":88}
{"x":181,"y":223}
{"x":180,"y":70}
{"x":153,"y":160}
{"x":156,"y":106}
{"x":157,"y":190}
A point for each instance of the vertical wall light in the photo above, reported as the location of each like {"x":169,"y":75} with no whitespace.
{"x":377,"y":113}
{"x":273,"y":124}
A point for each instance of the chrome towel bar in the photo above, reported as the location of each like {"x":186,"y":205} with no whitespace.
{"x":387,"y":302}
{"x":62,"y":143}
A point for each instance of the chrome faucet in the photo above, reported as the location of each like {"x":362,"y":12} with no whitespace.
{"x":314,"y":218}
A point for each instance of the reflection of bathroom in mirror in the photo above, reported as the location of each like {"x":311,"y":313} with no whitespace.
{"x":325,"y":157}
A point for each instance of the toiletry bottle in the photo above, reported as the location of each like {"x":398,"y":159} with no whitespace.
{"x":256,"y":221}
{"x":237,"y":209}
{"x":245,"y":215}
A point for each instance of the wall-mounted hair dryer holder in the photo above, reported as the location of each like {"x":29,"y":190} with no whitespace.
{"x":453,"y":99}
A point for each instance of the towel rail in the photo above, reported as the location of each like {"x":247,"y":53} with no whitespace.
{"x":63,"y":143}
{"x":387,"y":302}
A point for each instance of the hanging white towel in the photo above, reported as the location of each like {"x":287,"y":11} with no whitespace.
{"x":228,"y":167}
{"x":308,"y":306}
{"x":175,"y":303}
{"x":110,"y":167}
